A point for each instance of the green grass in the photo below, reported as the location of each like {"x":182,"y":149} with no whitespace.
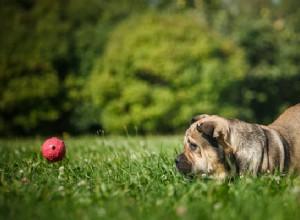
{"x":130,"y":178}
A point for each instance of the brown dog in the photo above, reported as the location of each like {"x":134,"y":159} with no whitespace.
{"x":218,"y":146}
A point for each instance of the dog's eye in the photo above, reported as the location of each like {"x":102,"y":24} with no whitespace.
{"x":193,"y":146}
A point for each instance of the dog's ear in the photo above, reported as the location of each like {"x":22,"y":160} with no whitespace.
{"x":197,"y":118}
{"x":207,"y":127}
{"x":216,"y":129}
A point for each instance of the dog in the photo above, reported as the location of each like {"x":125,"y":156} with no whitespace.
{"x":220,"y":147}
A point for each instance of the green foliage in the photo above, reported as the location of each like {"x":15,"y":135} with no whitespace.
{"x":130,"y":178}
{"x":164,"y":69}
{"x":34,"y":66}
{"x":144,"y":66}
{"x":270,"y":41}
{"x":45,"y":57}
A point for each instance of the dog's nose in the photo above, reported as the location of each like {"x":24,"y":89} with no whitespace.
{"x":177,"y":160}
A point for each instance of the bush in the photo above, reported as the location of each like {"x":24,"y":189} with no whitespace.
{"x":159,"y":70}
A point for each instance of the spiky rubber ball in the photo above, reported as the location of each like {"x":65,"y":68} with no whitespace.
{"x":53,"y":149}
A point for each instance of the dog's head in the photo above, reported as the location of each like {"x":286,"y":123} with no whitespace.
{"x":206,"y":143}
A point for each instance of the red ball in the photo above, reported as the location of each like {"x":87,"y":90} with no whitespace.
{"x":53,"y":149}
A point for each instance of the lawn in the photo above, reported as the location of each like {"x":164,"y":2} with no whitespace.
{"x":130,"y":178}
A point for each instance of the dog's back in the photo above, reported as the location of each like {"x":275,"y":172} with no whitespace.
{"x":288,"y":126}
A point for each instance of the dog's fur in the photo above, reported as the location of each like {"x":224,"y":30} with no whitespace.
{"x":218,"y":146}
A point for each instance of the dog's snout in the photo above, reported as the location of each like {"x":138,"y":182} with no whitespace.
{"x":182,"y":164}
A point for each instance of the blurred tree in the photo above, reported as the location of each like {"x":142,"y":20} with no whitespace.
{"x":272,"y":50}
{"x":47,"y":52}
{"x":39,"y":66}
{"x":267,"y":31}
{"x":30,"y":72}
{"x":158,"y":70}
